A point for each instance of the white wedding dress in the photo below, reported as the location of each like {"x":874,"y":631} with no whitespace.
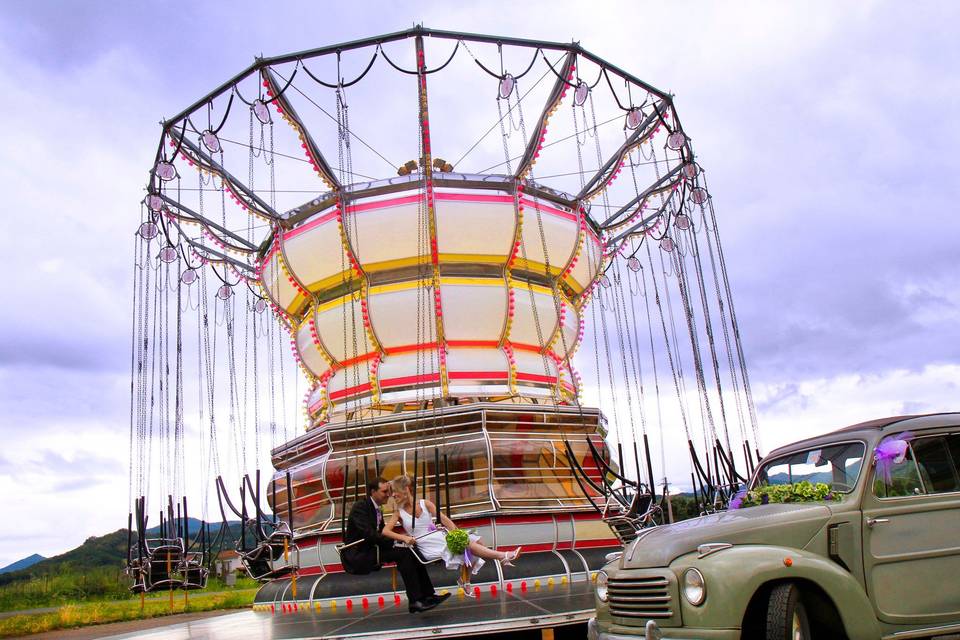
{"x":434,"y":545}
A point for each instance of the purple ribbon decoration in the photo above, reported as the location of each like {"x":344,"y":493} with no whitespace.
{"x":736,"y":500}
{"x":466,"y":557}
{"x":891,"y":450}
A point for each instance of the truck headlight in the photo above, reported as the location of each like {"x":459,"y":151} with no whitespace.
{"x":602,"y":586}
{"x":693,"y":587}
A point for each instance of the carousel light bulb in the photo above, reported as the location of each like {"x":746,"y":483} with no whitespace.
{"x":634,"y":264}
{"x":507,"y":83}
{"x":165,"y":171}
{"x":676,"y":140}
{"x":210,"y":141}
{"x":261,"y":111}
{"x":581,"y":93}
{"x":168,"y":254}
{"x":666,"y":244}
{"x":682,"y":221}
{"x":148,"y":230}
{"x":633,"y":118}
{"x":699,"y":195}
{"x":189,"y":276}
{"x":225,"y":292}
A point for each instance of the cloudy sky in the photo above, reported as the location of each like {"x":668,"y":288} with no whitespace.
{"x":829,"y":132}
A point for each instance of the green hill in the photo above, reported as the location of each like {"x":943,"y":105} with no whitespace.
{"x":91,"y":572}
{"x":103,"y":552}
{"x":95,"y":553}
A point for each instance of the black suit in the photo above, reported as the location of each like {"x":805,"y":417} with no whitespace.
{"x":376,"y":549}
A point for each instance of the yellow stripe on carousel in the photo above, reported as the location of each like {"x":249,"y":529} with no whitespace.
{"x":537,"y":267}
{"x":536,"y":288}
{"x":395,"y":286}
{"x":338,"y":279}
{"x":297,"y":304}
{"x":338,"y":302}
{"x":335,"y":280}
{"x":399,"y":263}
{"x":452,"y":280}
{"x":481,"y":282}
{"x":573,"y":283}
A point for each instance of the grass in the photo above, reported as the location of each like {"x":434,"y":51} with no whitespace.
{"x":68,"y":587}
{"x":79,"y":587}
{"x":89,"y":613}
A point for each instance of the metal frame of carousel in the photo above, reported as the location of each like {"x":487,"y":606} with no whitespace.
{"x":435,"y":315}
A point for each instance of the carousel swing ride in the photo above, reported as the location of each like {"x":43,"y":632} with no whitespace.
{"x":415,"y":234}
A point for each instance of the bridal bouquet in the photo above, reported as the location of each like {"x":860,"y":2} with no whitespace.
{"x":457,"y":541}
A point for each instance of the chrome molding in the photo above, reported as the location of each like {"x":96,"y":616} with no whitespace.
{"x":924,"y":633}
{"x":709,"y":548}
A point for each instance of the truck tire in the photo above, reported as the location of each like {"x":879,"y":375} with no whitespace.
{"x":786,"y":616}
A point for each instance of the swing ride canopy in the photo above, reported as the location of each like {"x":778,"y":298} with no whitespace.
{"x":433,"y":219}
{"x":426,"y":279}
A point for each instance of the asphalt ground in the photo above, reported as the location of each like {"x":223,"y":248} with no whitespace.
{"x":509,"y":614}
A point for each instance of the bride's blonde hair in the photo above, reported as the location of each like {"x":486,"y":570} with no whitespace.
{"x":401,"y":482}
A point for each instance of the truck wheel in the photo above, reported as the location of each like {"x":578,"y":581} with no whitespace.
{"x":786,"y":616}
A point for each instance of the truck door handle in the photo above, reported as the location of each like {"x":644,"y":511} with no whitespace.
{"x":875,"y":521}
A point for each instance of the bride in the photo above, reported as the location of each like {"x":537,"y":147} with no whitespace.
{"x":432,"y":542}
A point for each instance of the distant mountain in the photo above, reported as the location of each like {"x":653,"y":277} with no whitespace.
{"x":820,"y":476}
{"x":29,"y":561}
{"x":109,"y":550}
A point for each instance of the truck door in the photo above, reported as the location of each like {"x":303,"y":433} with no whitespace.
{"x":911,"y":534}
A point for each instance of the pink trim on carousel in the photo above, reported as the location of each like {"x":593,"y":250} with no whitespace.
{"x":327,"y":217}
{"x":534,"y":377}
{"x":407,"y":380}
{"x":348,"y":391}
{"x":568,"y":215}
{"x":449,"y":197}
{"x":470,"y":375}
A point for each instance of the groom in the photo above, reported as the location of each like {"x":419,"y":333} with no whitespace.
{"x":366,"y":523}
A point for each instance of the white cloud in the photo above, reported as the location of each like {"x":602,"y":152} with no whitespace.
{"x":828,"y":132}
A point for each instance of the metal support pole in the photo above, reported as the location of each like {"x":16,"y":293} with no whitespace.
{"x":446,"y":483}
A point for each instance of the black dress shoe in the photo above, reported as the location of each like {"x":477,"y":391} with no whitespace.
{"x":418,"y":606}
{"x":437,"y":598}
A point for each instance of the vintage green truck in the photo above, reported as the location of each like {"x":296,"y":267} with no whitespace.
{"x":879,"y":559}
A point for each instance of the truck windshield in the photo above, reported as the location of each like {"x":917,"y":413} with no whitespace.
{"x":837,"y":465}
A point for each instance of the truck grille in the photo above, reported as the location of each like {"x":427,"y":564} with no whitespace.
{"x":636,"y":599}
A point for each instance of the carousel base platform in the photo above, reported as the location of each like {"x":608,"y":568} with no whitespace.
{"x":541,"y":568}
{"x":544,"y":607}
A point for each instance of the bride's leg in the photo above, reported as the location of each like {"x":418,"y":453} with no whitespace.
{"x":481,"y":551}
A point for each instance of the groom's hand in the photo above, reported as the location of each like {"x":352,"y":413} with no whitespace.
{"x":410,"y":540}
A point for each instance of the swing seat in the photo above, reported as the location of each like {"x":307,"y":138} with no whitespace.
{"x":641,"y":514}
{"x":135,"y":571}
{"x":193,"y":572}
{"x":416,"y":551}
{"x":259,"y":561}
{"x":163,"y":559}
{"x":640,"y":505}
{"x":340,"y":548}
{"x":275,"y":541}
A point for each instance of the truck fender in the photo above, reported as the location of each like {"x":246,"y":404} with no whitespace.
{"x":734,"y":575}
